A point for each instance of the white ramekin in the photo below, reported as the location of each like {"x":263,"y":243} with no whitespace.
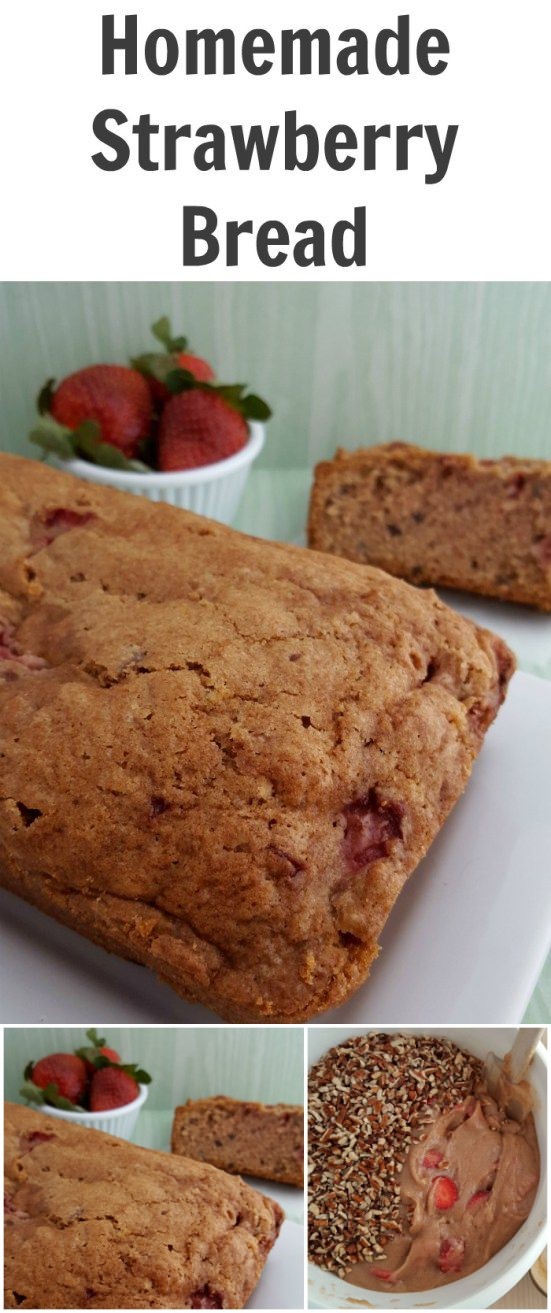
{"x":214,"y":490}
{"x":116,"y":1121}
{"x":509,"y":1265}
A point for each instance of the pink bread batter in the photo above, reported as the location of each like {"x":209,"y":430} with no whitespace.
{"x":466,"y":1187}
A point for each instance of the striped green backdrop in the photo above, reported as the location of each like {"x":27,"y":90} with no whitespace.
{"x":450,"y":365}
{"x":186,"y":1062}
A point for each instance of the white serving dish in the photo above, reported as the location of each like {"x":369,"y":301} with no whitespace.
{"x":281,"y":1284}
{"x":116,"y":1121}
{"x":509,"y":1265}
{"x":468,"y":937}
{"x":214,"y":490}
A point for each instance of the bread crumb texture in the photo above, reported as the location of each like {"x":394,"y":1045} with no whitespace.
{"x":439,"y":518}
{"x":258,"y":1139}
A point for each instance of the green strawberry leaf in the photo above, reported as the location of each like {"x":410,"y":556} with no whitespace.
{"x":44,"y":398}
{"x":92,"y":1035}
{"x":163,"y":332}
{"x":88,"y":1055}
{"x":142,"y":1077}
{"x":28,"y":1070}
{"x":50,"y":1094}
{"x":57,"y":1100}
{"x":247,"y":403}
{"x":181,"y":380}
{"x":131,"y":1069}
{"x":53,"y":438}
{"x":88,"y":443}
{"x":153,"y":365}
{"x":253,"y":407}
{"x":99,"y":1061}
{"x":232,"y":392}
{"x":31,"y":1092}
{"x":83,"y":441}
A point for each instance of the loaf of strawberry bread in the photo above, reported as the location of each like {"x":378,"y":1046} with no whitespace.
{"x":92,"y":1221}
{"x":256,"y":1139}
{"x":479,"y":525}
{"x":222,"y":757}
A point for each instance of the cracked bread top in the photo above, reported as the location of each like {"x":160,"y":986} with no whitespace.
{"x":92,"y":1221}
{"x":221,"y":756}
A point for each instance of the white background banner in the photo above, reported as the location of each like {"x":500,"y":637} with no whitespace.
{"x":488,"y":218}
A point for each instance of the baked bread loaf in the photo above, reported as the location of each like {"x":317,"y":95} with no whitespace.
{"x":255,"y":1139}
{"x":221,"y":757}
{"x":480,"y":525}
{"x":92,"y":1221}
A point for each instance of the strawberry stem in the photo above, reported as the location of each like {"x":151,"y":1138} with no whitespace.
{"x":161,"y":329}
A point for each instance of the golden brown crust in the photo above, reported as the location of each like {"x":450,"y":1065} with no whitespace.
{"x":446,"y":519}
{"x":92,"y":1221}
{"x":221,"y":757}
{"x":255,"y":1139}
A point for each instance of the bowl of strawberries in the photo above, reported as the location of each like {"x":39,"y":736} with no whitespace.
{"x":162,"y":427}
{"x":92,"y":1086}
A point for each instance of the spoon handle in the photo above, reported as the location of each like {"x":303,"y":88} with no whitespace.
{"x":523,"y":1051}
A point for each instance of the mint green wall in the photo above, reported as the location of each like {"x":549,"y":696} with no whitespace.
{"x":450,"y":365}
{"x":185,"y":1061}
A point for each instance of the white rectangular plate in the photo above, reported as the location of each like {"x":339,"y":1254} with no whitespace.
{"x":466,"y":941}
{"x":282,"y":1282}
{"x":527,"y":632}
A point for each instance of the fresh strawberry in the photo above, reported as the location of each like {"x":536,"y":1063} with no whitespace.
{"x":156,"y":366}
{"x":114,"y":397}
{"x":110,"y":1053}
{"x":383,"y":1274}
{"x":432,"y":1158}
{"x":102,"y":1052}
{"x":445,"y":1193}
{"x":451,"y":1255}
{"x":63,"y":1070}
{"x":197,"y":427}
{"x":200,"y":369}
{"x":480,"y":1197}
{"x":111,"y":1087}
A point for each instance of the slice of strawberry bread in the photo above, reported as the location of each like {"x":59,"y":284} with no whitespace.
{"x":258,"y":1139}
{"x":439,"y":518}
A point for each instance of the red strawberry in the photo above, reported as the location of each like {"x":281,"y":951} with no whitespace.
{"x":383,"y":1274}
{"x":105,"y":1053}
{"x":206,"y":1297}
{"x":112,"y":1087}
{"x":177,"y":357}
{"x":198,"y":427}
{"x":445,"y":1193}
{"x":451,"y":1255}
{"x":64,"y":1070}
{"x":110,"y":1053}
{"x":432,"y":1158}
{"x":117,"y":398}
{"x":200,"y":369}
{"x":480,"y":1197}
{"x":34,"y":1138}
{"x":48,"y":526}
